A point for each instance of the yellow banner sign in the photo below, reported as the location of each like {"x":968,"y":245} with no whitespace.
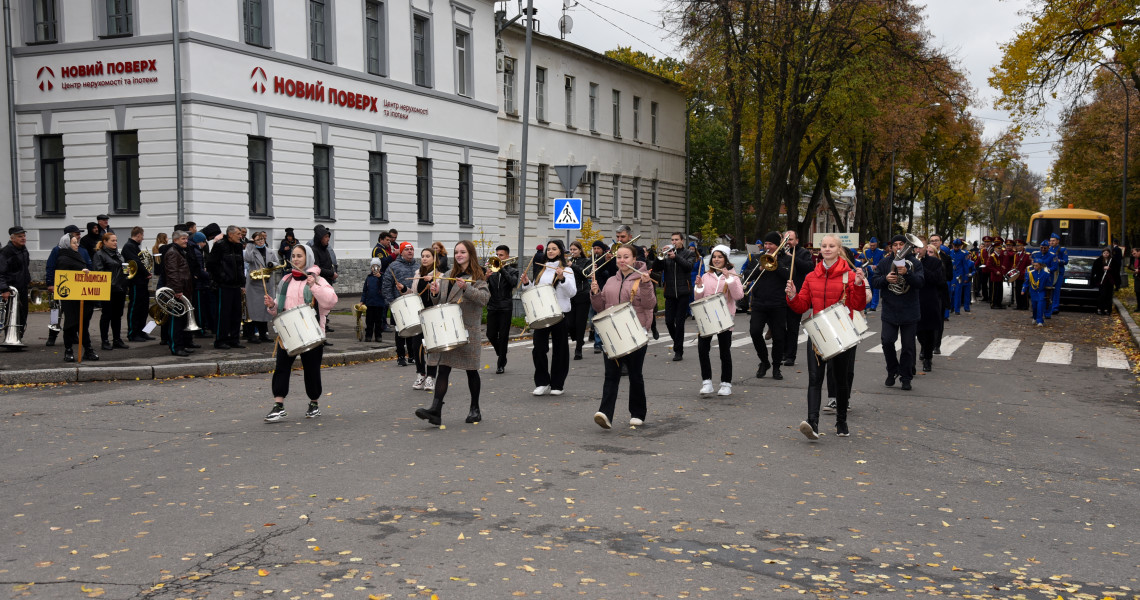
{"x":77,"y":285}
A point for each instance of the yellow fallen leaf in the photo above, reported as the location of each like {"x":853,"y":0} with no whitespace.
{"x":528,"y":568}
{"x":263,"y":572}
{"x":460,"y":536}
{"x":316,"y":548}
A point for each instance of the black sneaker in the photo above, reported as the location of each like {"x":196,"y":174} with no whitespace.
{"x":761,"y":371}
{"x":276,"y":414}
{"x":314,"y":411}
{"x":830,"y":404}
{"x":221,"y":346}
{"x":906,"y":385}
{"x":107,"y":345}
{"x":841,"y":429}
{"x":401,"y":362}
{"x":890,"y":382}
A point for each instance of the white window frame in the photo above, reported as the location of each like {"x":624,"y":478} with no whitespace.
{"x":266,"y":24}
{"x":592,"y":182}
{"x":330,"y":186}
{"x":378,"y":187}
{"x":327,"y":29}
{"x":617,"y":196}
{"x":265,"y":177}
{"x":464,"y":69}
{"x":510,"y":84}
{"x":102,"y":19}
{"x":653,"y":122}
{"x":593,"y":107}
{"x":540,"y":94}
{"x":568,"y":85}
{"x":653,"y":198}
{"x":428,"y":74}
{"x":636,"y":197}
{"x":511,"y":183}
{"x":381,"y":42}
{"x":616,"y":97}
{"x":51,"y":23}
{"x":636,"y":117}
{"x":424,"y":191}
{"x":540,"y":178}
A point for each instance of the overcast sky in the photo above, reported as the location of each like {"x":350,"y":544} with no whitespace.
{"x":969,"y":30}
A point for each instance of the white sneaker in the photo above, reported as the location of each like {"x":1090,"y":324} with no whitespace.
{"x":556,"y":392}
{"x":725,"y":389}
{"x":541,"y":390}
{"x":602,"y":420}
{"x":636,"y":422}
{"x":429,"y":384}
{"x":419,"y":384}
{"x":706,"y":387}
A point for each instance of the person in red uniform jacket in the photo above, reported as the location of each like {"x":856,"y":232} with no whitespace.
{"x":995,"y":262}
{"x":1022,"y":261}
{"x":832,"y":281}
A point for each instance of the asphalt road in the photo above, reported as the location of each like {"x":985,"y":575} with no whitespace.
{"x":994,"y":477}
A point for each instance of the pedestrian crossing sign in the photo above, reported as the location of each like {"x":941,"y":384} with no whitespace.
{"x":567,"y":213}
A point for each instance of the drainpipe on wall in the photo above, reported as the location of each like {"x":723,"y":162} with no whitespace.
{"x":176,"y":43}
{"x":11,"y":112}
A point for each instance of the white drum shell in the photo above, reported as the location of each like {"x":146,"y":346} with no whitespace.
{"x":621,"y":332}
{"x":711,"y":314}
{"x":406,"y":312}
{"x":831,"y":331}
{"x":859,"y":322}
{"x":299,"y":330}
{"x":541,"y":306}
{"x":443,"y":328}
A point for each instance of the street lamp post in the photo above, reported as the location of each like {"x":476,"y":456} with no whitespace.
{"x":1124,"y":168}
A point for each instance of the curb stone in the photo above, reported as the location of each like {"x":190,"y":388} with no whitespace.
{"x":1127,"y":318}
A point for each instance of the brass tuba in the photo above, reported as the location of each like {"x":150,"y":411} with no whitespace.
{"x":359,"y":309}
{"x":10,"y":320}
{"x":146,"y":259}
{"x":169,"y":304}
{"x":901,"y":287}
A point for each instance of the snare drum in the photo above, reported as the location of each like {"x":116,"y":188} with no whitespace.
{"x":541,"y":306}
{"x":711,"y":314}
{"x":831,"y":331}
{"x":443,"y":328}
{"x":621,"y":332}
{"x":299,"y":330}
{"x":406,"y":312}
{"x":859,"y":322}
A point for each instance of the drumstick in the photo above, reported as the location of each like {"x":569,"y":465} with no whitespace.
{"x":540,"y":249}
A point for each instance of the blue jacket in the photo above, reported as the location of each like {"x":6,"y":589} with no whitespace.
{"x":372,"y":294}
{"x":961,"y":262}
{"x":900,"y":309}
{"x":55,"y":254}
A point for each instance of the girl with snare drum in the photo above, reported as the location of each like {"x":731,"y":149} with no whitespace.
{"x":425,"y":375}
{"x":630,"y":284}
{"x":720,"y":279}
{"x":831,"y":282}
{"x":466,"y":286}
{"x":303,"y":286}
{"x":552,"y":270}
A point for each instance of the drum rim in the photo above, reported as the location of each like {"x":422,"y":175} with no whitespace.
{"x":542,"y":324}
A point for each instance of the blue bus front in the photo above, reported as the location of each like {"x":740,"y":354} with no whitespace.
{"x":1084,"y":239}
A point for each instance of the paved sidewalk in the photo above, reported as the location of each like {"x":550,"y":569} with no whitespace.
{"x":151,"y":360}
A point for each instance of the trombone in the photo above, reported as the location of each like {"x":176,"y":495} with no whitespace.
{"x":768,"y":261}
{"x":495,"y":264}
{"x":613,"y":252}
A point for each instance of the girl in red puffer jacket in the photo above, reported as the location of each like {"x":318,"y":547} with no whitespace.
{"x":822,"y":288}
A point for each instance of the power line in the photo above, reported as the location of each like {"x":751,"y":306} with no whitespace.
{"x":619,"y":28}
{"x":631,"y":16}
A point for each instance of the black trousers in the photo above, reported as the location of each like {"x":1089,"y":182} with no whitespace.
{"x":704,"y":348}
{"x":417,"y":355}
{"x":229,"y":315}
{"x":474,"y":384}
{"x":499,"y":330}
{"x":206,"y":307}
{"x":310,"y":362}
{"x":791,"y":334}
{"x":777,"y":321}
{"x":900,"y":364}
{"x":138,"y":307}
{"x":1136,"y":289}
{"x":579,"y":314}
{"x":997,"y":293}
{"x":72,"y":333}
{"x":1104,"y":297}
{"x":843,"y":367}
{"x":559,"y":367}
{"x":1022,"y":299}
{"x":111,"y":315}
{"x":402,"y":346}
{"x":374,"y":321}
{"x":832,"y":386}
{"x":676,"y":312}
{"x":927,"y":342}
{"x":633,"y":363}
{"x":173,"y":332}
{"x":983,"y":286}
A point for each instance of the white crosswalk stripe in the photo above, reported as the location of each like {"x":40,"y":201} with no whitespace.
{"x":1056,"y":353}
{"x":1111,"y":358}
{"x":951,"y":343}
{"x":1000,"y":349}
{"x":879,"y":349}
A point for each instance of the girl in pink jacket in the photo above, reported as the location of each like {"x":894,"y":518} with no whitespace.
{"x":630,"y":284}
{"x":301,"y":287}
{"x":720,"y":279}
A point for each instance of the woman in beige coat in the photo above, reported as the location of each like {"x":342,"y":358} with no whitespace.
{"x":469,"y":290}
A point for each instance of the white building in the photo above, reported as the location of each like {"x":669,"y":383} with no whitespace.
{"x":363,"y":115}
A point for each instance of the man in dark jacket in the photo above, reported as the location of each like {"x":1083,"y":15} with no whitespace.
{"x":227,"y":270}
{"x":180,"y":279}
{"x":92,"y":239}
{"x":947,"y":275}
{"x":325,"y":258}
{"x":803,"y":264}
{"x":396,"y":279}
{"x":769,"y":307}
{"x":138,"y":292}
{"x":501,"y":306}
{"x":677,"y":274}
{"x":14,"y":273}
{"x":900,"y":310}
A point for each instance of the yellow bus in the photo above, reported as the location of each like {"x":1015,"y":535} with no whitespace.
{"x":1084,"y":234}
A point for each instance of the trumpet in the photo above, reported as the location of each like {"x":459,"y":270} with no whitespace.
{"x":663,"y":253}
{"x":359,"y":309}
{"x":494,"y":263}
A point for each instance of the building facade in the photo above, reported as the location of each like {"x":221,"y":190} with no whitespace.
{"x":362,"y":115}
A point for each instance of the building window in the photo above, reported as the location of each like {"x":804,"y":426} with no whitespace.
{"x":118,"y":17}
{"x":569,"y":101}
{"x":540,"y":183}
{"x":464,"y":194}
{"x":51,"y":175}
{"x":45,"y":22}
{"x":463,"y":68}
{"x":377,"y":191}
{"x":637,"y":197}
{"x":509,"y":87}
{"x":258,"y":159}
{"x":593,"y":107}
{"x":636,"y":116}
{"x":125,"y":171}
{"x":423,"y":190}
{"x":374,"y":39}
{"x":512,"y":186}
{"x":592,"y":181}
{"x":540,"y":94}
{"x":653,"y":200}
{"x":320,"y":30}
{"x":421,"y":50}
{"x":617,"y":113}
{"x":322,"y":182}
{"x":256,"y":15}
{"x":617,"y":197}
{"x":653,"y":121}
